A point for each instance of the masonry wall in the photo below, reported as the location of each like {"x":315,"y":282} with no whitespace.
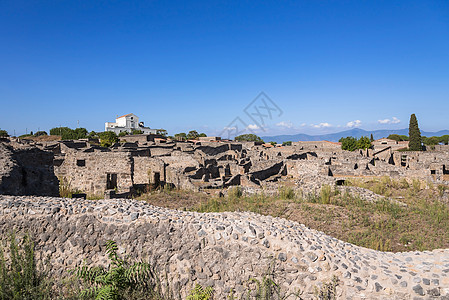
{"x":223,"y":250}
{"x":88,"y":171}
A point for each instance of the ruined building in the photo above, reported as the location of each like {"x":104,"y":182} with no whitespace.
{"x":203,"y":165}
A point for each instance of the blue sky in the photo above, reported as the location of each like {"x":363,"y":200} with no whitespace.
{"x":179,"y":65}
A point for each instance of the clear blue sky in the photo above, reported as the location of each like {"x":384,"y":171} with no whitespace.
{"x":329,"y":65}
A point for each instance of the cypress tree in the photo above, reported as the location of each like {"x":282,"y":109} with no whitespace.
{"x":372,"y":138}
{"x":414,"y":135}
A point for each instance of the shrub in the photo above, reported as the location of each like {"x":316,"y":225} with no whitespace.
{"x":248,"y":138}
{"x":19,"y":276}
{"x":107,"y":138}
{"x":325,"y":194}
{"x":4,"y":133}
{"x":328,"y":290}
{"x":286,"y":192}
{"x":200,"y":293}
{"x":67,"y":133}
{"x":119,"y":280}
{"x":136,"y":131}
{"x":39,"y":133}
{"x":235,"y":192}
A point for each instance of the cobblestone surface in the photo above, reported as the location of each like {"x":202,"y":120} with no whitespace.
{"x":221,"y":249}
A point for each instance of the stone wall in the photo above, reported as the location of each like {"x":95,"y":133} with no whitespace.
{"x":27,"y":171}
{"x":91,"y":171}
{"x":222,"y":250}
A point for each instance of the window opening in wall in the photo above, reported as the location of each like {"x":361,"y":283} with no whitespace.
{"x":111,"y":181}
{"x":81,"y":162}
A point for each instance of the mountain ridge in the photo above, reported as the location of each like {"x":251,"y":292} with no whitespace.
{"x":356,"y":132}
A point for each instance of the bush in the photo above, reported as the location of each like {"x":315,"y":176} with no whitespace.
{"x":107,"y":138}
{"x":351,"y":143}
{"x":39,"y":133}
{"x":235,"y":192}
{"x":286,"y":193}
{"x":248,"y":138}
{"x":325,"y":194}
{"x":200,"y":293}
{"x":3,"y":133}
{"x":67,"y":133}
{"x":120,"y":280}
{"x":136,"y":131}
{"x":19,"y":276}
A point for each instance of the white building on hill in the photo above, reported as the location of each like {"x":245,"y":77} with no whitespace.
{"x":128,"y":123}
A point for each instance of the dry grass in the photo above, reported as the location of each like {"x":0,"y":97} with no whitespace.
{"x":422,"y":225}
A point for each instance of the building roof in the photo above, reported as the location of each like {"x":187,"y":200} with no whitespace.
{"x":125,"y":115}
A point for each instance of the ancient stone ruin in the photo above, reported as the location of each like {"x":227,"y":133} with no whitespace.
{"x":221,"y":249}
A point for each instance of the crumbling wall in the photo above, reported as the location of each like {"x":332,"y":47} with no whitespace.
{"x":95,"y":172}
{"x":27,"y":171}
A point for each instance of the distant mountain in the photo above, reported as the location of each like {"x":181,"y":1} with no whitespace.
{"x":356,"y":132}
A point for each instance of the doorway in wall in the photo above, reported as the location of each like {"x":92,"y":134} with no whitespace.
{"x":111,"y":181}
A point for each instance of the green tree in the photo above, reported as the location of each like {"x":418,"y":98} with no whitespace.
{"x":80,"y":133}
{"x":162,"y":132}
{"x":39,"y":133}
{"x":202,"y":134}
{"x":108,"y":138}
{"x":4,"y":133}
{"x":349,"y":143}
{"x":273,"y":143}
{"x":123,"y":133}
{"x":192,"y":135}
{"x":444,"y":139}
{"x":398,"y":137}
{"x":92,"y":135}
{"x":363,"y":143}
{"x":248,"y":138}
{"x":371,"y":138}
{"x":432,"y":141}
{"x":414,"y":134}
{"x":136,"y":131}
{"x":287,"y":143}
{"x":181,"y":136}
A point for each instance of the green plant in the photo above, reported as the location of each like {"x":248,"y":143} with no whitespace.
{"x":441,"y":189}
{"x":235,"y":192}
{"x":192,"y":135}
{"x":328,"y":290}
{"x":4,"y":133}
{"x":286,"y":192}
{"x":119,"y":279}
{"x":107,"y":138}
{"x":325,"y":194}
{"x":19,"y":275}
{"x":200,"y":293}
{"x":414,"y":134}
{"x":248,"y":138}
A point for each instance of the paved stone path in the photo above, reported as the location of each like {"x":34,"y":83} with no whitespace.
{"x":306,"y":258}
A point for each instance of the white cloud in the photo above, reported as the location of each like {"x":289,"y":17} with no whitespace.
{"x":394,"y":120}
{"x":253,"y":127}
{"x":321,"y":125}
{"x":303,"y":124}
{"x":287,"y":124}
{"x":353,"y":124}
